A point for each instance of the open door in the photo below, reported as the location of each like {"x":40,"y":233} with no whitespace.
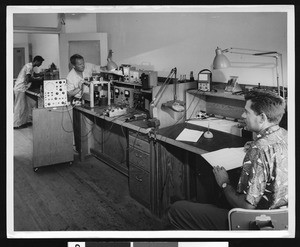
{"x":92,"y":46}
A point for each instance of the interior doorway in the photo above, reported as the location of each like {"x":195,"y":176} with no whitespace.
{"x":93,"y":47}
{"x":18,"y":60}
{"x":89,"y":49}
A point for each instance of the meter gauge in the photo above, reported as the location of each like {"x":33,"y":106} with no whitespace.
{"x":126,"y":93}
{"x":117,"y":91}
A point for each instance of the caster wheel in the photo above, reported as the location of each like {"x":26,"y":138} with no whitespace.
{"x":35,"y":169}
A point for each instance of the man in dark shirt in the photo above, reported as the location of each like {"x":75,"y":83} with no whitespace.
{"x":263,"y":183}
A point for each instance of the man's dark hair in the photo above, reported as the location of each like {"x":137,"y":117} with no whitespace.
{"x":267,"y":102}
{"x":74,"y":57}
{"x":38,"y":58}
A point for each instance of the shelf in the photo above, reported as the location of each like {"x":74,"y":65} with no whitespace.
{"x":220,"y":93}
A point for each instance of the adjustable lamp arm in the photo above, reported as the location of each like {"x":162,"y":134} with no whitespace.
{"x":163,"y":87}
{"x":252,"y":52}
{"x":156,"y":99}
{"x":247,"y":51}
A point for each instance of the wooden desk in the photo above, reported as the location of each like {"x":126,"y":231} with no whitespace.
{"x":160,"y":169}
{"x":182,"y":172}
{"x":204,"y":145}
{"x":124,"y":146}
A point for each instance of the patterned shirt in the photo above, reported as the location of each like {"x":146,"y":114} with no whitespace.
{"x":264,"y":175}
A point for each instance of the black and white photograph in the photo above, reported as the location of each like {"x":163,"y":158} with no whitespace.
{"x":158,"y":121}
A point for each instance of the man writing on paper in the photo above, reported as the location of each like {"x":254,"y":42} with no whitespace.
{"x":263,"y":179}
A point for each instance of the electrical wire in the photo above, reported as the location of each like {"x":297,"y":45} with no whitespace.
{"x":62,"y":124}
{"x":108,"y":130}
{"x":194,"y":96}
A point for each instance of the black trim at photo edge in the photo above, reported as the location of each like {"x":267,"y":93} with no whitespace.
{"x":63,"y":242}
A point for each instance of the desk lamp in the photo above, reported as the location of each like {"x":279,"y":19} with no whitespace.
{"x":221,"y":61}
{"x":175,"y":104}
{"x":111,"y":65}
{"x":208,"y":134}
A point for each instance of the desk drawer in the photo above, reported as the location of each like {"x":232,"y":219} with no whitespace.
{"x":139,"y":158}
{"x":139,"y":185}
{"x":138,"y":143}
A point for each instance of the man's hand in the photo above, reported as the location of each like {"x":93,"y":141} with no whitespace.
{"x":83,"y":82}
{"x":80,"y":84}
{"x":221,"y":175}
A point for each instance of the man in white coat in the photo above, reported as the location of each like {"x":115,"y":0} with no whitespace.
{"x":22,"y":110}
{"x":75,"y":78}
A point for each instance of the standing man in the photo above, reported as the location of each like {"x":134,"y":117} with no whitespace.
{"x":263,"y":180}
{"x":22,"y":110}
{"x":75,"y":78}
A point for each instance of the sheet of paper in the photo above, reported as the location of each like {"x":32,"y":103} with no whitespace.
{"x":223,"y":125}
{"x":189,"y":135}
{"x":229,"y":158}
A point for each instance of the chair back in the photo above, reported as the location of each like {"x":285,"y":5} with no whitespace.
{"x":256,"y":219}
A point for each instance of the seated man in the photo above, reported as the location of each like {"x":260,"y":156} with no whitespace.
{"x":75,"y":78}
{"x":263,"y":179}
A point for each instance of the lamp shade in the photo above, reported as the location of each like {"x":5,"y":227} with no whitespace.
{"x":220,"y":60}
{"x":111,"y":65}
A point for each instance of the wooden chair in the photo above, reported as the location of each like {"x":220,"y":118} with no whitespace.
{"x":249,"y":219}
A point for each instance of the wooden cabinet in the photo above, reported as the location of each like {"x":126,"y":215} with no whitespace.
{"x":139,"y":185}
{"x":139,"y":168}
{"x":52,"y":136}
{"x":114,"y":145}
{"x":173,"y":176}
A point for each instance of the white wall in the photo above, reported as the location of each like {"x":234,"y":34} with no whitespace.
{"x":161,"y":41}
{"x":45,"y":45}
{"x":80,"y":23}
{"x":36,"y":19}
{"x":20,"y":38}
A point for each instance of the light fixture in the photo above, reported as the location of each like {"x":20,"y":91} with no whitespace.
{"x":175,"y":105}
{"x":221,"y":61}
{"x":111,"y":65}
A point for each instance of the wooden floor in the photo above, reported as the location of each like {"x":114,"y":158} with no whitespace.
{"x":82,"y":196}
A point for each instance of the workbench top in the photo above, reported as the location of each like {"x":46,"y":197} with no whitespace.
{"x":140,"y":125}
{"x":203,"y":145}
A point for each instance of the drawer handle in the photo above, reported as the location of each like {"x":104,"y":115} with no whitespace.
{"x":138,"y":179}
{"x":138,"y":156}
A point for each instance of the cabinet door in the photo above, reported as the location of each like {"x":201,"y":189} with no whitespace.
{"x":173,"y":177}
{"x":139,"y":185}
{"x":52,"y":136}
{"x":115,"y":144}
{"x":137,"y":142}
{"x":139,"y":158}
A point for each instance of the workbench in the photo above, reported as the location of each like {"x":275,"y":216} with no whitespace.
{"x":160,"y":170}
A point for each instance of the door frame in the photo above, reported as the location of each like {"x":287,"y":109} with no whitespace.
{"x":26,"y":48}
{"x":65,"y":38}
